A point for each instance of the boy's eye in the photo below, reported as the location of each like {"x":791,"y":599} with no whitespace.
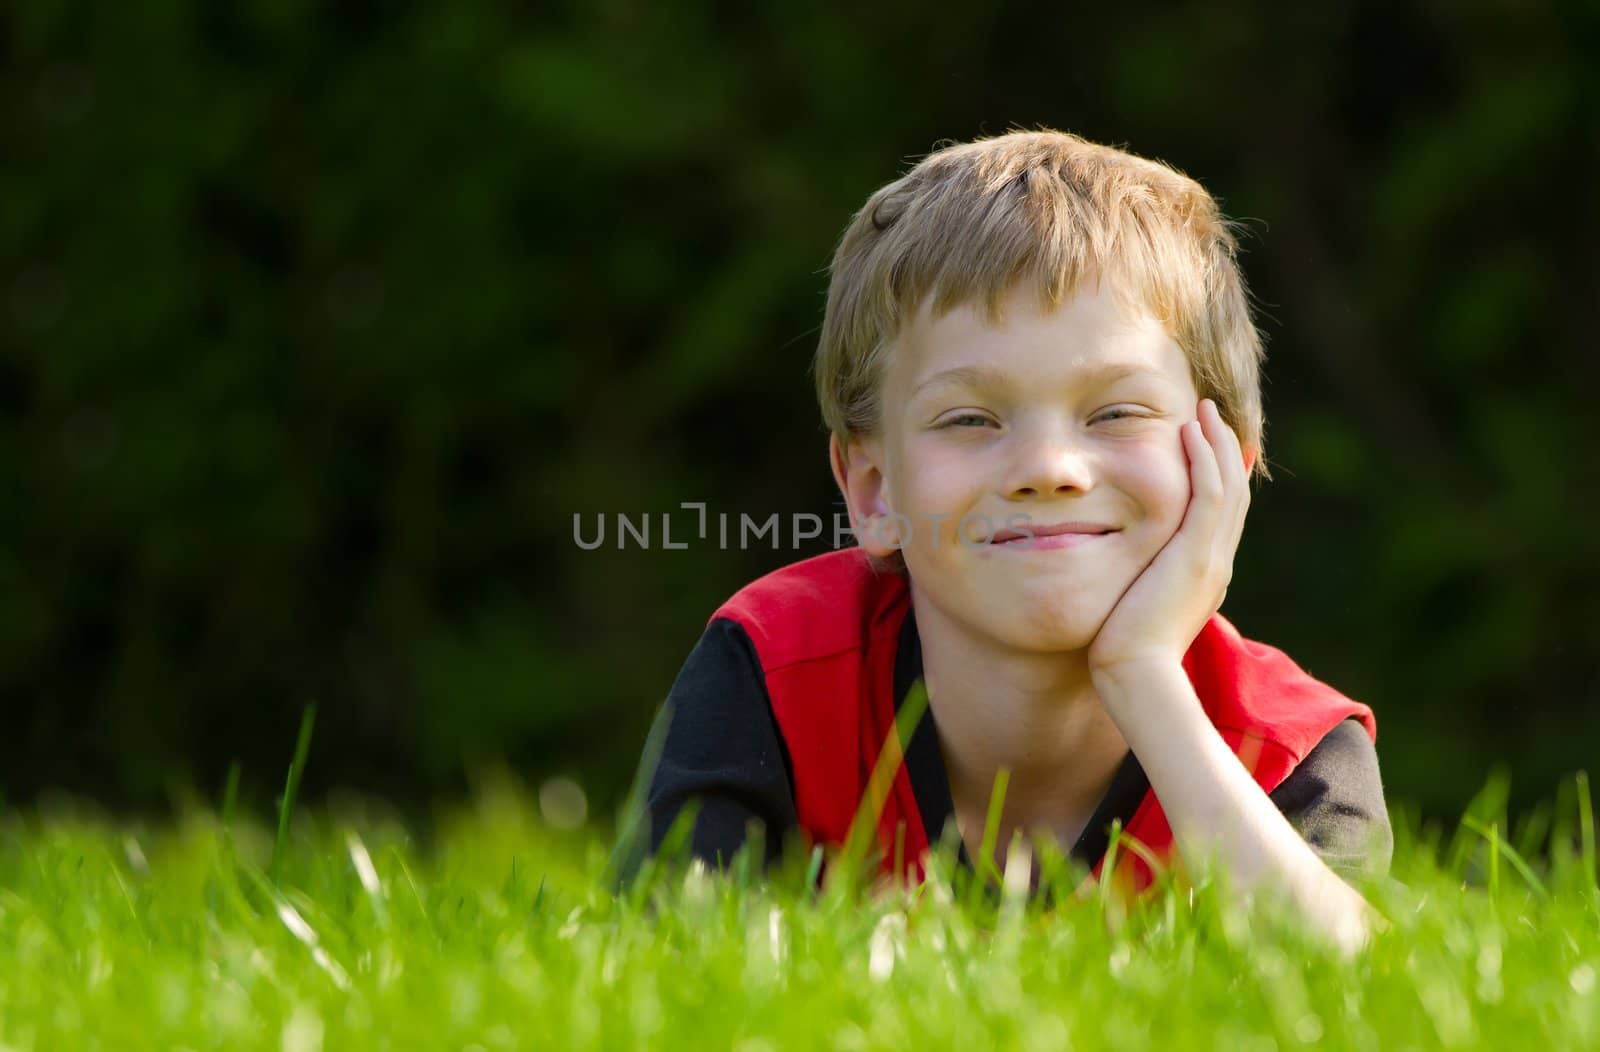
{"x":967,"y":420}
{"x":964,"y":420}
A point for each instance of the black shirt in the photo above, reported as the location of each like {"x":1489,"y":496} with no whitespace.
{"x":723,"y":746}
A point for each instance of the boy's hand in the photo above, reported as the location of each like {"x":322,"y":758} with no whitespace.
{"x":1162,"y":612}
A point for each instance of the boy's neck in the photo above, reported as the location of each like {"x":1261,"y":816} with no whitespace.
{"x":1035,"y":714}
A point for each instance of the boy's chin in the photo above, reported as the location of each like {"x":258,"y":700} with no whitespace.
{"x":1049,"y":631}
{"x":1035,"y":615}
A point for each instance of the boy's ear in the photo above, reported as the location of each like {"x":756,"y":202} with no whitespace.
{"x":857,"y":470}
{"x":1249,"y":460}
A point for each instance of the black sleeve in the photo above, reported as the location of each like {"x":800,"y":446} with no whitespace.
{"x":1335,"y":799}
{"x":721,"y":747}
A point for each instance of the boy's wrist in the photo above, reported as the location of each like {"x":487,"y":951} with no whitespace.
{"x":1131,"y":669}
{"x":1148,"y":690}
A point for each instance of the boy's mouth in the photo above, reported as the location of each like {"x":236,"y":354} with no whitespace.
{"x":1058,"y":533}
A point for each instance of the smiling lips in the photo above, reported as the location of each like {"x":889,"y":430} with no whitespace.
{"x":1054,"y":535}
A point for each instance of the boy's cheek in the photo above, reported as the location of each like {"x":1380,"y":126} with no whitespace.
{"x":1157,"y":527}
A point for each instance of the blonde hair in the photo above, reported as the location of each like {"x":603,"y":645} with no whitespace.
{"x":971,"y":221}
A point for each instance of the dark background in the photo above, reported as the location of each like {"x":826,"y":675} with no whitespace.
{"x":320,"y":325}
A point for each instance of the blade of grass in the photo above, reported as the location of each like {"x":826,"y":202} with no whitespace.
{"x":984,"y":867}
{"x":863,"y":828}
{"x":814,"y":867}
{"x":1586,"y":827}
{"x":633,"y":825}
{"x":1488,"y":805}
{"x":1533,"y":831}
{"x":1134,"y":846}
{"x":1112,"y":907}
{"x":230,"y":802}
{"x":1498,"y":846}
{"x":1494,"y":861}
{"x":291,"y":787}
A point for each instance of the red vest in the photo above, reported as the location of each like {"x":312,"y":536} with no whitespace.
{"x":826,"y":630}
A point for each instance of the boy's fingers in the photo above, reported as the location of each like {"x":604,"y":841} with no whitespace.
{"x":1230,"y":454}
{"x":1203,"y":521}
{"x":1204,"y":472}
{"x":1230,"y":460}
{"x":1232,"y":483}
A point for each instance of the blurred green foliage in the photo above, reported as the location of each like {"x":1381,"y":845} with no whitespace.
{"x":321,"y":324}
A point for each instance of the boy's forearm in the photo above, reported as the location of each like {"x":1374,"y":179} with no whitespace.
{"x":1214,"y":805}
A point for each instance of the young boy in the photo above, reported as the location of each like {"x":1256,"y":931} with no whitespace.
{"x":1040,"y":372}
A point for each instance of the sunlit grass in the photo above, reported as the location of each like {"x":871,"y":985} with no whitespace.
{"x":508,"y":932}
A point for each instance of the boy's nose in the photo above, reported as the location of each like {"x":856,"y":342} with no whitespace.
{"x":1050,"y":464}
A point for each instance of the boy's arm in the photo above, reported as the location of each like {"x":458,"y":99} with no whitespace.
{"x":1214,"y":806}
{"x":1212,"y":803}
{"x":722,"y":748}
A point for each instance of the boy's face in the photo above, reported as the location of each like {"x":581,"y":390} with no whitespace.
{"x":1070,"y":416}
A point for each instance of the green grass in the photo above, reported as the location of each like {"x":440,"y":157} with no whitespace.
{"x":503,"y":934}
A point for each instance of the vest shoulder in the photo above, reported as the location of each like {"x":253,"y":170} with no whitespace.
{"x":1257,"y":689}
{"x":827,"y":604}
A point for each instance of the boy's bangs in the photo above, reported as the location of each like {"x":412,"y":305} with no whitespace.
{"x":976,"y":248}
